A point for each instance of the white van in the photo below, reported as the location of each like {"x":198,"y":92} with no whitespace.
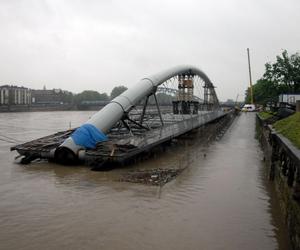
{"x":248,"y":108}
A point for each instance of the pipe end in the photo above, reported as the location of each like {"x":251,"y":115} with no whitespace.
{"x":65,"y":156}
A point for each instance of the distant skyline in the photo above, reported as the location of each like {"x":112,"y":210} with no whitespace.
{"x":81,"y":45}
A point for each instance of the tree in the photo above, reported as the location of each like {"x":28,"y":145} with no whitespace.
{"x":103,"y":97}
{"x":280,"y":77}
{"x":285,"y":71}
{"x":263,"y":92}
{"x":67,"y":97}
{"x":90,"y":95}
{"x":117,"y":91}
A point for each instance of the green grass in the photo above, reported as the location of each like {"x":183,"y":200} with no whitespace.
{"x":290,"y":128}
{"x":265,"y":115}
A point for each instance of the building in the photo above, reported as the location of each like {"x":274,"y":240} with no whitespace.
{"x":289,"y":98}
{"x":14,"y":95}
{"x":53,"y":96}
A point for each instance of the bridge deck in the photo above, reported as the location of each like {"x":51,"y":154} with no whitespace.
{"x":122,"y":144}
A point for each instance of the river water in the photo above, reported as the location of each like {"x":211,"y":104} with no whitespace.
{"x":222,"y":200}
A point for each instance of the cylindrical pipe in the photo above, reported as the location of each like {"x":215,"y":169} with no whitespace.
{"x":114,"y":111}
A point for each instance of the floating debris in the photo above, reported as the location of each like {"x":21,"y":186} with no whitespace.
{"x":156,"y":177}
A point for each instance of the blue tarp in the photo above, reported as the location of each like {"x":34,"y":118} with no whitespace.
{"x":88,"y":135}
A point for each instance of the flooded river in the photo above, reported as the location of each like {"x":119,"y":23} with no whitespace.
{"x":222,"y":200}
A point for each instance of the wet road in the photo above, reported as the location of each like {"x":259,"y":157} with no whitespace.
{"x":221,"y":201}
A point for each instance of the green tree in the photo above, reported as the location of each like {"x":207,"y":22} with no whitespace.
{"x":90,"y":95}
{"x":285,"y":72}
{"x":263,"y":92}
{"x":117,"y":91}
{"x":280,"y":77}
{"x":67,"y":97}
{"x":103,"y":97}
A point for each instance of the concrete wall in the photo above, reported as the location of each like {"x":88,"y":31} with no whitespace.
{"x":283,"y":163}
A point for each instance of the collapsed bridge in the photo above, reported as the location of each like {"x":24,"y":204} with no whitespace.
{"x":155,"y":110}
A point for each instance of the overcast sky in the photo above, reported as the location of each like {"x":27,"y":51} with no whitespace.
{"x":88,"y":44}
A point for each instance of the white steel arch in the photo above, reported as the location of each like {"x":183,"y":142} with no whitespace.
{"x":107,"y":117}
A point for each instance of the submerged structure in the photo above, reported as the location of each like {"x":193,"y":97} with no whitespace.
{"x":155,"y":110}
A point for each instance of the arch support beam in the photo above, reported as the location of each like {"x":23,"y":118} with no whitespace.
{"x":107,"y":117}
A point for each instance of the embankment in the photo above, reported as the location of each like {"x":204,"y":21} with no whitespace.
{"x":47,"y":107}
{"x":283,"y":161}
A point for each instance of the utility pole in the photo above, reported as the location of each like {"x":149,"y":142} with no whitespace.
{"x":251,"y":89}
{"x":236,"y":99}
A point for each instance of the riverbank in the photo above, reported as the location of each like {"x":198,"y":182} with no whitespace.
{"x":48,"y":107}
{"x":283,"y":161}
{"x":37,"y":108}
{"x":58,"y":107}
{"x":290,"y":128}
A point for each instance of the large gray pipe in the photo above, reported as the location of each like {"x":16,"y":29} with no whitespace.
{"x":114,"y":111}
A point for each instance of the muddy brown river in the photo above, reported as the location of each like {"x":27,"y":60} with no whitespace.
{"x":222,"y":200}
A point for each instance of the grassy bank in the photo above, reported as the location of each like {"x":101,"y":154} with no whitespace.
{"x":290,"y":128}
{"x":265,"y":115}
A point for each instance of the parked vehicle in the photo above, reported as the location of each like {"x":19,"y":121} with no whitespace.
{"x":249,"y":108}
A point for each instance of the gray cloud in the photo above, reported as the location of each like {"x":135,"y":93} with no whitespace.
{"x":79,"y":45}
